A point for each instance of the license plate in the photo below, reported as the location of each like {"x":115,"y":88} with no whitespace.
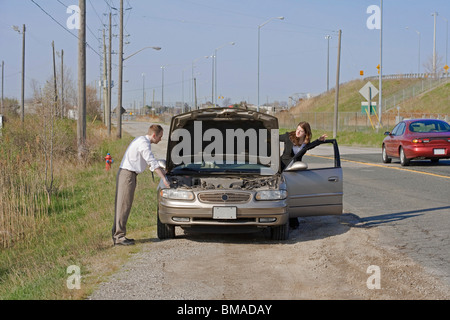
{"x":224,"y":212}
{"x":439,"y":151}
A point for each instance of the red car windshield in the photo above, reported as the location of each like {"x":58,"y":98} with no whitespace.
{"x":426,"y":126}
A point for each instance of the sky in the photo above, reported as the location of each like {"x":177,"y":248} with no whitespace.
{"x":293,"y":51}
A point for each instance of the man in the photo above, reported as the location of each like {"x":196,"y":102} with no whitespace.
{"x":136,"y":159}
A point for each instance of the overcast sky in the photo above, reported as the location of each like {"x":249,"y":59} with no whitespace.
{"x":293,"y":51}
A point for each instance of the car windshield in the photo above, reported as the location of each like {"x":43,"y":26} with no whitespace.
{"x":426,"y":126}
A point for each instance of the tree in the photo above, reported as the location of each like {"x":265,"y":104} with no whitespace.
{"x":428,"y":65}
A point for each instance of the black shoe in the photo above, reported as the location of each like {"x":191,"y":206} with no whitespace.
{"x":124,"y":242}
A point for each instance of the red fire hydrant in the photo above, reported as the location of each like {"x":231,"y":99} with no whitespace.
{"x":109,"y":161}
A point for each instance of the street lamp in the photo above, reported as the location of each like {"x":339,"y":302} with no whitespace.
{"x":259,"y":36}
{"x":119,"y":94}
{"x":214,"y":90}
{"x":154,"y":48}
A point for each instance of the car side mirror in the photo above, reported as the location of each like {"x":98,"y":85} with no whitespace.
{"x":387,"y":133}
{"x":296,"y":166}
{"x":162,"y":164}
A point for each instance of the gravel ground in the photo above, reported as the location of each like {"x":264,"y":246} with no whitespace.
{"x":325,"y":258}
{"x":329,"y":257}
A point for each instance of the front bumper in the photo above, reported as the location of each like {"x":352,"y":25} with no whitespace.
{"x":197,"y":213}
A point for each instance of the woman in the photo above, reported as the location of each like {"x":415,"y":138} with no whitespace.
{"x":295,"y":141}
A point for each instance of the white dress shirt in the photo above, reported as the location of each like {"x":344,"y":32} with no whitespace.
{"x":139,"y":155}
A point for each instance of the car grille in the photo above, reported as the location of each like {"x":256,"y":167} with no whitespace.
{"x":224,"y":197}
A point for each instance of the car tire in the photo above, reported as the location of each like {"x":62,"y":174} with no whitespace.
{"x":165,"y":231}
{"x":403,"y":160}
{"x":385,"y":157}
{"x":280,"y":233}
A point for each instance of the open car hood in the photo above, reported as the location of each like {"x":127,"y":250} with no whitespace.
{"x":222,"y":133}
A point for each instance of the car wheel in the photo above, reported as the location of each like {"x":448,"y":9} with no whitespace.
{"x":386,"y":159}
{"x":280,"y":233}
{"x":403,"y":160}
{"x":165,"y":231}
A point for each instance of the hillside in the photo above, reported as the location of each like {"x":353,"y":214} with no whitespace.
{"x":434,"y":100}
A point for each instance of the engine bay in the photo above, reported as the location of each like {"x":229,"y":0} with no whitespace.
{"x":198,"y":183}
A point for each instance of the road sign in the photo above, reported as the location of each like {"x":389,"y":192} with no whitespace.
{"x":446,"y":68}
{"x":365,"y":91}
{"x":361,"y":72}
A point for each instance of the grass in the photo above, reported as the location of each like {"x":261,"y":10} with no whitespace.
{"x":75,"y":229}
{"x":350,"y":138}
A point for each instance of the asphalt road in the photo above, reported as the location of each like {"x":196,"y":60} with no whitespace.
{"x":409,"y":206}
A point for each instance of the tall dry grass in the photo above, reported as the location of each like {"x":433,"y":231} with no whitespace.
{"x":35,"y":162}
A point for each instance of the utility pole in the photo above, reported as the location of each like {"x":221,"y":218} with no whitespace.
{"x":62,"y":84}
{"x":119,"y":93}
{"x":54,"y":81}
{"x":23,"y":74}
{"x":435,"y":14}
{"x":336,"y":100}
{"x":81,"y":124}
{"x":108,"y":109}
{"x":105,"y":80}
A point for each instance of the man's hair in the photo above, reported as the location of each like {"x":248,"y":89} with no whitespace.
{"x":155,"y":129}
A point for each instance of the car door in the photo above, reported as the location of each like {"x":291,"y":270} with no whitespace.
{"x":318,"y":189}
{"x":391,"y":143}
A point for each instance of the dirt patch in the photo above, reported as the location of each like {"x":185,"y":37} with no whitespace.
{"x":325,"y":258}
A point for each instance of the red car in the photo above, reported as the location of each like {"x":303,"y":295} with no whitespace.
{"x":417,"y":139}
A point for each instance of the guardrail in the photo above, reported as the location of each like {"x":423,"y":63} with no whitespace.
{"x":440,"y":75}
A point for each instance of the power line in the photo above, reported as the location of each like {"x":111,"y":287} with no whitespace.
{"x":48,"y":14}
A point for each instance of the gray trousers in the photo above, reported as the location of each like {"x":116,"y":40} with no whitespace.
{"x":125,"y":187}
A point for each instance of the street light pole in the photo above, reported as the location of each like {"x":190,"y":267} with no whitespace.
{"x":380,"y":79}
{"x":215,"y":69}
{"x":162,"y":86}
{"x":328,"y":37}
{"x":446,"y":42}
{"x":435,"y":14}
{"x":143,"y":90}
{"x":259,"y":45}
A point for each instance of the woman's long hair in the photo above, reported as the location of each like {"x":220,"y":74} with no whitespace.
{"x":308,"y":134}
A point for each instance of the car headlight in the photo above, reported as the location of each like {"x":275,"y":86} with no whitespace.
{"x":177,"y":194}
{"x":271,"y":195}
